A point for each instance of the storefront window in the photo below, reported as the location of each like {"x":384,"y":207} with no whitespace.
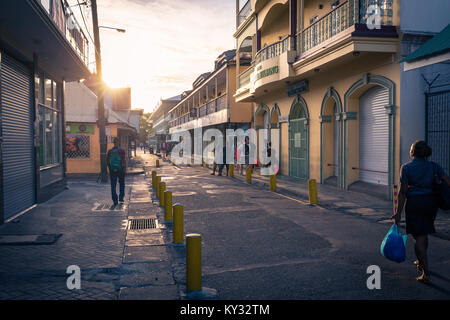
{"x":57,"y":137}
{"x":55,"y":98}
{"x":41,"y":135}
{"x":49,"y":133}
{"x":49,"y":121}
{"x":48,"y":92}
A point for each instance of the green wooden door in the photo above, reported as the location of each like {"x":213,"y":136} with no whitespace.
{"x":298,"y":148}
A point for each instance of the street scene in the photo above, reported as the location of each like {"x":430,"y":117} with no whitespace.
{"x":240,"y":150}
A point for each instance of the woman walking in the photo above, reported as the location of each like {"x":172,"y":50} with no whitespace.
{"x":416,"y":189}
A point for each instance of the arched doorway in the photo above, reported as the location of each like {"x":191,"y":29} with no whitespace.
{"x":330,"y":133}
{"x":262,"y":125}
{"x":298,"y":140}
{"x":369,"y":136}
{"x":374,"y":136}
{"x":276,"y":143}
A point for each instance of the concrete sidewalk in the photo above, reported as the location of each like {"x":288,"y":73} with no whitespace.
{"x":349,"y":202}
{"x":80,"y":227}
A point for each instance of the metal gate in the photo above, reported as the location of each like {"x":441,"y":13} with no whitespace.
{"x":438,"y":127}
{"x":374,"y":136}
{"x":17,"y":130}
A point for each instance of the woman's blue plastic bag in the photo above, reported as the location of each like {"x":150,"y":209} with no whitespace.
{"x":393,"y":245}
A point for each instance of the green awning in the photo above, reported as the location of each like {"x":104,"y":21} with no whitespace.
{"x":440,"y":43}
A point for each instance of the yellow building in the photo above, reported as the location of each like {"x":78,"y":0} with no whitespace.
{"x":82,"y":132}
{"x":210,"y":103}
{"x":328,"y":77}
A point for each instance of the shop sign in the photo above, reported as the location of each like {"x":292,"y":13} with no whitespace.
{"x":267,"y":72}
{"x":80,"y":128}
{"x":297,"y":88}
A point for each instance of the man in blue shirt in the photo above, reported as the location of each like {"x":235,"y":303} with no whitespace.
{"x":116,"y":162}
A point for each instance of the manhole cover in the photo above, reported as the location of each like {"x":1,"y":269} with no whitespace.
{"x":141,"y":224}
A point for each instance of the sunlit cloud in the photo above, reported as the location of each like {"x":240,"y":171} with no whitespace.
{"x":167,"y":44}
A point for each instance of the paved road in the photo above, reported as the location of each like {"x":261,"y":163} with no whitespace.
{"x":262,"y":245}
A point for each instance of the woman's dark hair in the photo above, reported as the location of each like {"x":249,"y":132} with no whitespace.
{"x":420,"y":149}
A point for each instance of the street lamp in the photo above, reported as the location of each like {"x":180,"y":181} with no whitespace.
{"x":100,"y":91}
{"x":117,"y":29}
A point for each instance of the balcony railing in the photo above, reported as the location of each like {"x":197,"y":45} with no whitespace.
{"x":210,"y":107}
{"x":337,"y":20}
{"x":221,"y":102}
{"x":244,"y":12}
{"x":244,"y":78}
{"x":60,"y":13}
{"x":202,"y":111}
{"x":275,"y":49}
{"x":346,"y":14}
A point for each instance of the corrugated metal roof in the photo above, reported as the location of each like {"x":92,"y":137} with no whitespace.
{"x":440,"y":43}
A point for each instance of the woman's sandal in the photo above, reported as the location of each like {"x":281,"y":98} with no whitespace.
{"x":423,"y":278}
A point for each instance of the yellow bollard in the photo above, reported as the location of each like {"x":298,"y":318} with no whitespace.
{"x":312,"y":188}
{"x":153,"y":179}
{"x":231,"y":170}
{"x":273,"y":182}
{"x":158,"y":181}
{"x":249,"y":175}
{"x":168,"y":206}
{"x":157,"y":163}
{"x":178,"y":228}
{"x":162,"y":189}
{"x":194,"y":262}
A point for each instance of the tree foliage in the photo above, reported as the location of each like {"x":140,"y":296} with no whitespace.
{"x":145,"y":127}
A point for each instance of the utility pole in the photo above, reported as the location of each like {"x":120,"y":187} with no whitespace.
{"x":100,"y":93}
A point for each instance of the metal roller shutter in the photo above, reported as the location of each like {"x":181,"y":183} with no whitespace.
{"x":374,"y":136}
{"x":17,"y":147}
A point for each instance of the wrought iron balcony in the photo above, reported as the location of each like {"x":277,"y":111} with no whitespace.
{"x":244,"y":78}
{"x":345,"y":15}
{"x":210,"y":107}
{"x":275,"y":49}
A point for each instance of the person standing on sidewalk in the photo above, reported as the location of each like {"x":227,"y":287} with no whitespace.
{"x":240,"y":157}
{"x":416,"y":189}
{"x":250,"y":152}
{"x":164,"y":149}
{"x":116,"y":162}
{"x":216,"y":157}
{"x":224,"y":161}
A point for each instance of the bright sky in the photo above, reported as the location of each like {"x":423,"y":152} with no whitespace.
{"x":167,"y":44}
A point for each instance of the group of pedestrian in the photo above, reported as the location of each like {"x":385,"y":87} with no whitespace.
{"x":242,"y":158}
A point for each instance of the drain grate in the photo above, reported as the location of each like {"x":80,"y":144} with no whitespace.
{"x":140,"y":224}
